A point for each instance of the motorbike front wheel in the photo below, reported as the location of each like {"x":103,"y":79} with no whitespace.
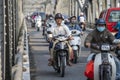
{"x":62,"y":66}
{"x":75,"y":52}
{"x":107,"y":76}
{"x":38,"y":29}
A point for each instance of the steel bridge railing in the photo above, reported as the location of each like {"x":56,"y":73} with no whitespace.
{"x":10,"y":25}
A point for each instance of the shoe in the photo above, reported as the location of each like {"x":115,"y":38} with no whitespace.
{"x":50,"y":63}
{"x":69,"y":63}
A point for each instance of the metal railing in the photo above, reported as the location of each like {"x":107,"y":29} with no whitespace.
{"x":10,"y":25}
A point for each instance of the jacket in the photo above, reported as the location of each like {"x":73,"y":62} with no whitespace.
{"x":74,"y":26}
{"x":99,"y":38}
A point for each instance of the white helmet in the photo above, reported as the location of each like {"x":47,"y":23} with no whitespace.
{"x":81,"y":13}
{"x":51,"y":18}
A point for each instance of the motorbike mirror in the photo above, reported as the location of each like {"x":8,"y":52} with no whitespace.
{"x":116,"y":41}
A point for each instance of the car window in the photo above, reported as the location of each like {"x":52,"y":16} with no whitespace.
{"x":114,"y":16}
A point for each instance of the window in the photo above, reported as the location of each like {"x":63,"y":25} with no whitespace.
{"x":114,"y":16}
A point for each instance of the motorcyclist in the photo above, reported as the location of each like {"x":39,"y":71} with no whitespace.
{"x":98,"y":36}
{"x":82,"y":21}
{"x":63,"y":30}
{"x":50,"y":21}
{"x":73,"y":24}
{"x":38,"y":18}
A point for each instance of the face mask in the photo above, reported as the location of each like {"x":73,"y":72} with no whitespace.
{"x":100,"y":29}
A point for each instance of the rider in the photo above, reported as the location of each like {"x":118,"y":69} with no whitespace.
{"x":82,"y":20}
{"x":50,"y":21}
{"x":98,"y":36}
{"x":73,"y":24}
{"x":59,"y":29}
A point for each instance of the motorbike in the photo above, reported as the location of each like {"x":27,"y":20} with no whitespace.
{"x":48,"y":32}
{"x":38,"y":25}
{"x":60,"y":55}
{"x":32,"y":23}
{"x":82,"y":25}
{"x":117,"y":51}
{"x":104,"y":64}
{"x":76,"y":44}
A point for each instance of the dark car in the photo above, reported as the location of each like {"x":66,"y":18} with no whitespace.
{"x":43,"y":15}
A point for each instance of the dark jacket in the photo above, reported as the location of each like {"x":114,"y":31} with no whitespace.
{"x":98,"y":38}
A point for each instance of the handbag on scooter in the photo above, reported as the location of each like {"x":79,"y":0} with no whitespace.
{"x":89,"y":70}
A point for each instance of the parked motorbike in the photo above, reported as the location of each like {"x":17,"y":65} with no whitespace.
{"x":104,"y":64}
{"x":76,"y":44}
{"x":60,"y":54}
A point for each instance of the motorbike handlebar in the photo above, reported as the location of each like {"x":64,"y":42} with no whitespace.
{"x":98,"y":47}
{"x":58,"y":36}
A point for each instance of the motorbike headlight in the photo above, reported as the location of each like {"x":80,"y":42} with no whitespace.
{"x":74,"y":47}
{"x":50,"y":35}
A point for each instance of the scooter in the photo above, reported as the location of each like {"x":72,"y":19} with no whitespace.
{"x":117,"y":51}
{"x":104,"y":64}
{"x":38,"y":25}
{"x":61,"y":55}
{"x":76,"y":44}
{"x":48,"y":32}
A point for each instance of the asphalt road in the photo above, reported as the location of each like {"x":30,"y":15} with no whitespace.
{"x":39,"y":56}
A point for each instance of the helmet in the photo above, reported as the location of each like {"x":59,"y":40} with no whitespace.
{"x":50,"y":15}
{"x":58,"y":16}
{"x":51,"y":18}
{"x":101,"y":21}
{"x":81,"y":13}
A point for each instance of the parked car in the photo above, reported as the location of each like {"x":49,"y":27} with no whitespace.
{"x":111,"y":16}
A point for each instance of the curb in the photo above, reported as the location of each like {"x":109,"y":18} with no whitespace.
{"x":26,"y":63}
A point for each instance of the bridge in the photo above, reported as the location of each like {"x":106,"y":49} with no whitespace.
{"x":14,"y":48}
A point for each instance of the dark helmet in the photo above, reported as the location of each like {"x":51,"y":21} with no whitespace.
{"x":50,"y":15}
{"x":58,"y":16}
{"x":72,"y":17}
{"x":101,"y":21}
